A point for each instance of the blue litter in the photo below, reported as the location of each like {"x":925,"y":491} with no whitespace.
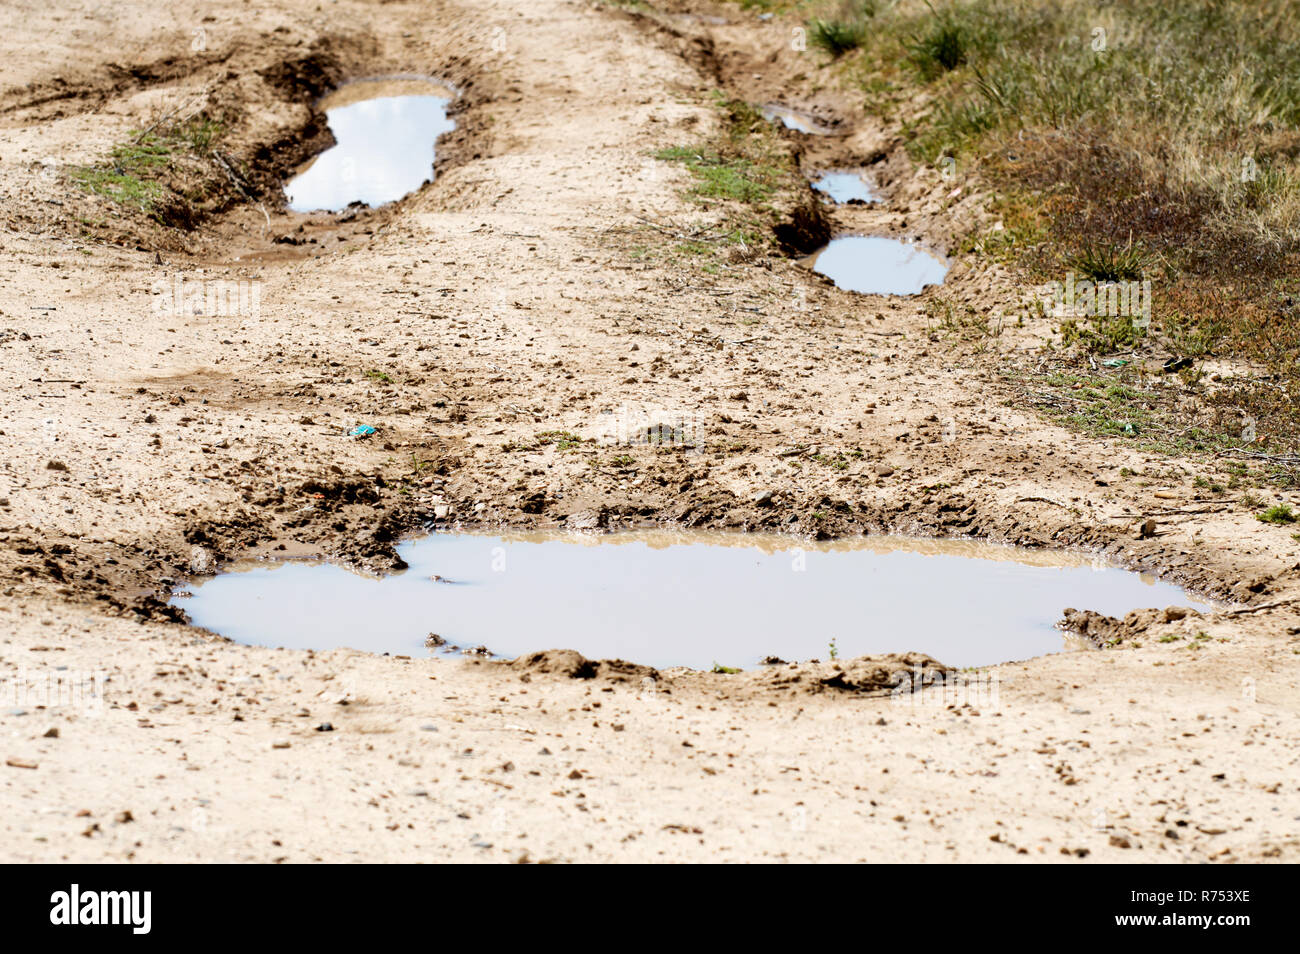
{"x":362,"y":430}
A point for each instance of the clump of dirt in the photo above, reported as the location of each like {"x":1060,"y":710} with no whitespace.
{"x":892,"y":672}
{"x":803,"y":226}
{"x":862,"y":674}
{"x":1107,"y":631}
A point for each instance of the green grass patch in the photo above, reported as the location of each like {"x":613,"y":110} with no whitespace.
{"x":1278,"y":513}
{"x":166,"y":173}
{"x":1143,"y":140}
{"x":1125,"y":405}
{"x":736,"y":178}
{"x":563,"y":440}
{"x":119,"y":187}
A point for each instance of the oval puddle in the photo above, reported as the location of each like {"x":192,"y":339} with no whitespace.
{"x":385,"y":132}
{"x":874,"y":265}
{"x":676,"y":599}
{"x":845,"y":187}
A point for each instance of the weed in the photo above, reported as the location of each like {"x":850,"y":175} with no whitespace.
{"x":837,"y":37}
{"x":1110,"y":262}
{"x":940,"y":49}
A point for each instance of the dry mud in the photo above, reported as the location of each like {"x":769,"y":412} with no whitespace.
{"x":532,"y":287}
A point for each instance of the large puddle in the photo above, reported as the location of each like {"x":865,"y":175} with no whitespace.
{"x":385,"y":132}
{"x":878,"y":266}
{"x":672,"y":599}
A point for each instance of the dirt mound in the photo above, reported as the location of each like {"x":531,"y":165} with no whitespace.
{"x":573,"y":665}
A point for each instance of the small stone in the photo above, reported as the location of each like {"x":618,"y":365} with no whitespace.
{"x":884,"y":470}
{"x":52,"y":733}
{"x":324,"y":727}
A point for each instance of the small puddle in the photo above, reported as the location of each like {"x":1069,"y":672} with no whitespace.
{"x":844,"y":187}
{"x":680,"y":599}
{"x":385,"y":132}
{"x":877,"y":266}
{"x":795,"y":119}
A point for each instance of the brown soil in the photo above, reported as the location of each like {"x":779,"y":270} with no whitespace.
{"x":537,"y":283}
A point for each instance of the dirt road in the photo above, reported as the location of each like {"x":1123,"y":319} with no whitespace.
{"x":540,"y":284}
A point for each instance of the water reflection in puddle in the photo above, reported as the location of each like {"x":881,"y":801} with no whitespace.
{"x":877,"y":266}
{"x":844,"y":187}
{"x":385,"y":133}
{"x":794,"y":119}
{"x":670,"y":599}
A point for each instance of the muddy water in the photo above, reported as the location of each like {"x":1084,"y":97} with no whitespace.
{"x":670,"y":599}
{"x":877,"y":266}
{"x":385,"y":133}
{"x":844,"y":187}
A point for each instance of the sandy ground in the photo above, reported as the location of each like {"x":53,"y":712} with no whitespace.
{"x":530,"y":288}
